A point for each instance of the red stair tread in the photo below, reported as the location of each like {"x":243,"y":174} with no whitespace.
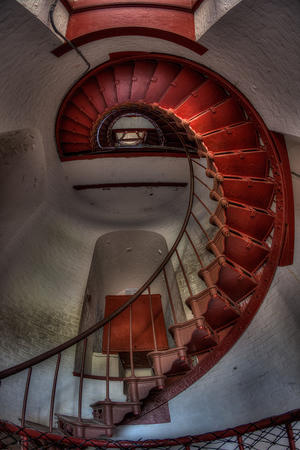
{"x":249,"y":164}
{"x":254,"y":223}
{"x":123,"y":80}
{"x":236,"y":137}
{"x":253,"y":193}
{"x":92,"y":91}
{"x":206,"y":95}
{"x":248,"y":255}
{"x":71,"y":126}
{"x":106,"y":83}
{"x":83,"y":428}
{"x":163,"y":75}
{"x":73,"y":112}
{"x":219,"y":314}
{"x":235,"y":285}
{"x":73,"y":138}
{"x":219,"y":116}
{"x":186,"y":81}
{"x":76,"y":148}
{"x":82,"y":102}
{"x":143,"y":71}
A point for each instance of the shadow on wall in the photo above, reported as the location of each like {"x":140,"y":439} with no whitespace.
{"x":22,"y":180}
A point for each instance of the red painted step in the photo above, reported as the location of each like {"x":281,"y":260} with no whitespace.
{"x":92,"y":91}
{"x":73,"y":138}
{"x":74,"y":127}
{"x":206,"y":95}
{"x":123,"y":79}
{"x":195,"y":334}
{"x":242,"y":250}
{"x":249,"y":221}
{"x":106,"y":83}
{"x":217,"y":310}
{"x":237,"y":137}
{"x":82,"y":102}
{"x":245,"y":252}
{"x":231,"y":280}
{"x":249,"y":164}
{"x":74,"y":113}
{"x":142,"y":74}
{"x":235,"y":284}
{"x":163,"y":75}
{"x":186,"y":81}
{"x":251,"y":192}
{"x":223,"y":115}
{"x":76,"y":148}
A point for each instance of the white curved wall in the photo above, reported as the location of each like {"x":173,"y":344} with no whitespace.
{"x":44,"y":270}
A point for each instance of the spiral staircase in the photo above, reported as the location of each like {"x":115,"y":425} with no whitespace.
{"x":205,"y":119}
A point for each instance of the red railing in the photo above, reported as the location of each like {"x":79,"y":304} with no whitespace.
{"x":282,"y":431}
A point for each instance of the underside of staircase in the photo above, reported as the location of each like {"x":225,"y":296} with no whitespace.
{"x":193,"y":108}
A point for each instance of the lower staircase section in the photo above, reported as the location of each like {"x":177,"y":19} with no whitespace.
{"x":83,"y":428}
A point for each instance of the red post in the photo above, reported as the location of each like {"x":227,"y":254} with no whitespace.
{"x":81,"y":380}
{"x":201,"y":227}
{"x":240,"y":442}
{"x":290,"y":433}
{"x":194,"y":248}
{"x":24,"y":440}
{"x":203,"y":204}
{"x":184,"y":273}
{"x":26,"y":397}
{"x":152,"y":319}
{"x":108,"y":362}
{"x":131,"y":341}
{"x":53,"y":392}
{"x":170,"y":297}
{"x":202,"y":182}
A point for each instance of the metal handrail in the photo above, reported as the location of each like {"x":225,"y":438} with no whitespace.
{"x":60,"y":348}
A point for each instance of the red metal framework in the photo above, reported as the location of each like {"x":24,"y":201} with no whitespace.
{"x":283,"y":430}
{"x":243,"y":171}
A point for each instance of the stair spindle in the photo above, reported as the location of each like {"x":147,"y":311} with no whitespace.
{"x":202,"y":182}
{"x":131,"y":342}
{"x":170,"y":297}
{"x":213,"y":218}
{"x":26,"y":397}
{"x":152,"y":319}
{"x":194,"y":248}
{"x":108,"y":361}
{"x":53,"y":392}
{"x":184,"y":273}
{"x":81,"y":379}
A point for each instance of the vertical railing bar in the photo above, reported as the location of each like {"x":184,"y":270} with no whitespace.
{"x":194,"y":248}
{"x":202,"y":203}
{"x":131,"y":342}
{"x":291,"y":437}
{"x":26,"y":397}
{"x":152,"y":319}
{"x":199,"y":164}
{"x":240,"y":442}
{"x":81,"y":379}
{"x":201,"y":226}
{"x":184,"y":273}
{"x":53,"y":392}
{"x":170,"y":296}
{"x":108,"y":361}
{"x":202,"y":182}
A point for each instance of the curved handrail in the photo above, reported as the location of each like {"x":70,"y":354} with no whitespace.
{"x":56,"y":350}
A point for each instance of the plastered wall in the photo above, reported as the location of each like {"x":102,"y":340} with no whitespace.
{"x":46,"y":265}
